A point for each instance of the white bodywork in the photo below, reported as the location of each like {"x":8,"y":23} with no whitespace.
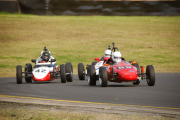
{"x":97,"y":66}
{"x":43,"y":69}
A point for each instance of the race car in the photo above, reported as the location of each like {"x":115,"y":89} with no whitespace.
{"x":97,"y":64}
{"x":123,"y":71}
{"x":44,"y":71}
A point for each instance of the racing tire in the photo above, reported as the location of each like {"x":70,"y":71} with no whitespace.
{"x":69,"y":72}
{"x":92,"y":72}
{"x":138,"y":72}
{"x":93,"y":63}
{"x":28,"y":69}
{"x":137,"y":66}
{"x":150,"y":75}
{"x":63,"y":73}
{"x":81,"y":72}
{"x":19,"y":74}
{"x":103,"y":80}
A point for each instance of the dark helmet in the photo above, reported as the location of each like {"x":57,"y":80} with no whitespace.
{"x":45,"y":56}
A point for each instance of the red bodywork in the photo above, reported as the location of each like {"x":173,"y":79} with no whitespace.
{"x":126,"y":74}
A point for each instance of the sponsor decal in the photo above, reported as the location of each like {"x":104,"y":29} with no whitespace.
{"x":40,"y":70}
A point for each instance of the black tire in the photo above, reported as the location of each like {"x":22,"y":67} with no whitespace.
{"x":19,"y":74}
{"x":81,"y":72}
{"x":150,"y":75}
{"x":69,"y":72}
{"x":92,"y":72}
{"x":138,"y":72}
{"x":137,"y":66}
{"x":103,"y":80}
{"x":28,"y":69}
{"x":63,"y":73}
{"x":94,"y":63}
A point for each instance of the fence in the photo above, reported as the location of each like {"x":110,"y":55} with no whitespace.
{"x":91,"y":7}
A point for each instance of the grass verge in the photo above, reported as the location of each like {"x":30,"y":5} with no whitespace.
{"x":22,"y":111}
{"x":145,"y":39}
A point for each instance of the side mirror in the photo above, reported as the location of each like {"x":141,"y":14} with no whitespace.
{"x":33,"y":60}
{"x":53,"y":60}
{"x":97,"y":59}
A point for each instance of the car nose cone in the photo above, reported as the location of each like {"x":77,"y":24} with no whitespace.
{"x":41,"y":73}
{"x":127,"y":74}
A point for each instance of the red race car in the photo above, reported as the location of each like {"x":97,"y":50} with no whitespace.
{"x":121,"y":71}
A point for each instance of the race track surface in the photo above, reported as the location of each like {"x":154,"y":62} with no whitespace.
{"x":165,"y":93}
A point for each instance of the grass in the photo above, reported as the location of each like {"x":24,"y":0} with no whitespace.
{"x":145,"y":39}
{"x":22,"y":111}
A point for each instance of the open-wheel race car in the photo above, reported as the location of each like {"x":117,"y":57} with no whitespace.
{"x":122,"y":71}
{"x":84,"y":73}
{"x":44,"y":71}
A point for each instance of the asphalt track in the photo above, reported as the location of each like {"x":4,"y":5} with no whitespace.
{"x":165,"y":93}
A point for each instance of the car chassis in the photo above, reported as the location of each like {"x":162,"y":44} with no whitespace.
{"x":65,"y":72}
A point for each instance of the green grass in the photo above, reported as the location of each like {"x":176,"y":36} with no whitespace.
{"x":145,"y":39}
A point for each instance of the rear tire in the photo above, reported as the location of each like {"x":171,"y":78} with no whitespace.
{"x":28,"y":69}
{"x":69,"y":70}
{"x":19,"y":74}
{"x":103,"y":79}
{"x":63,"y":73}
{"x":92,"y":72}
{"x":138,"y":72}
{"x":150,"y":75}
{"x":81,"y":72}
{"x":94,"y":63}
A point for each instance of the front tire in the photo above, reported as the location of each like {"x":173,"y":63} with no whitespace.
{"x":150,"y":75}
{"x":138,"y":72}
{"x":69,"y":72}
{"x":103,"y":79}
{"x":63,"y":73}
{"x":92,"y":72}
{"x":19,"y":74}
{"x":81,"y":72}
{"x":28,"y":69}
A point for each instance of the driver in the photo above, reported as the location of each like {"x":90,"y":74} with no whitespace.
{"x":107,"y":54}
{"x":45,"y":56}
{"x":116,"y":58}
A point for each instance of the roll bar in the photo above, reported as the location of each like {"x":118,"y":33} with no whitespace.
{"x":45,"y":50}
{"x":114,"y":48}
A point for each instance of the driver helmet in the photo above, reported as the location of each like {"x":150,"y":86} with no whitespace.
{"x":116,"y":57}
{"x":107,"y":54}
{"x":45,"y":56}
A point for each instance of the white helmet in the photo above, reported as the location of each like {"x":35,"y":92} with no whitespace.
{"x":116,"y":57}
{"x":107,"y":53}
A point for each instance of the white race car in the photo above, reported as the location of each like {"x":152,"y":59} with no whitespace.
{"x":46,"y":71}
